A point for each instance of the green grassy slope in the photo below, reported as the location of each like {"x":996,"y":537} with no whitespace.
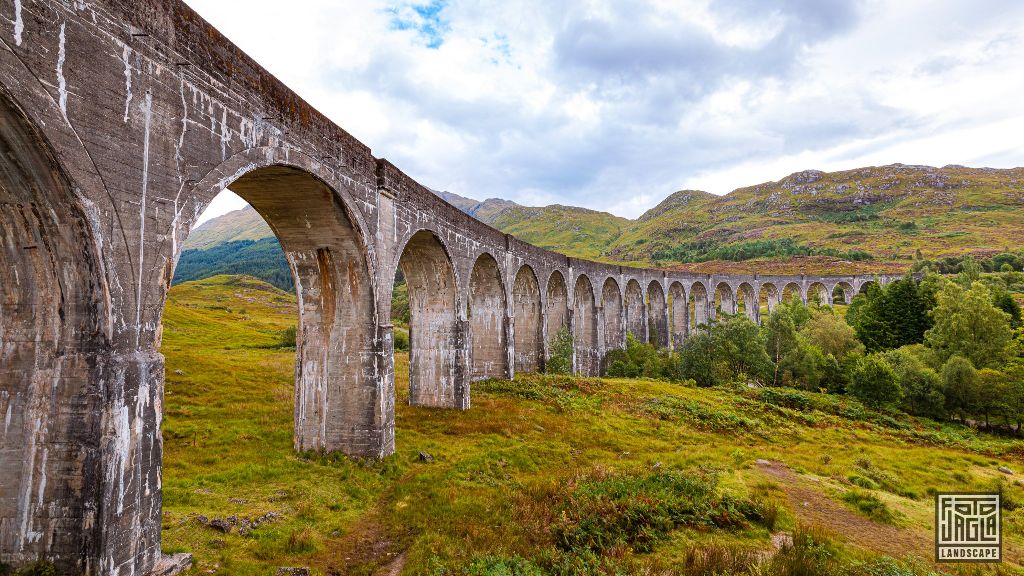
{"x":535,"y":465}
{"x":244,"y":224}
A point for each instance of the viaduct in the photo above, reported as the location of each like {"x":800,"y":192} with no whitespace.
{"x":120,"y":120}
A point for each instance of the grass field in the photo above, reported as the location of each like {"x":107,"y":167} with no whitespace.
{"x":544,"y":474}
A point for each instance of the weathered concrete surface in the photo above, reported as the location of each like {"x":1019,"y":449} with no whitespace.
{"x":121,"y":122}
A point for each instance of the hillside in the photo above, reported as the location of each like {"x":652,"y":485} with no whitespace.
{"x":869,"y":219}
{"x":545,"y":474}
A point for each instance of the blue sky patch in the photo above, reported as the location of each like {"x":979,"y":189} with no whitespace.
{"x":425,"y":18}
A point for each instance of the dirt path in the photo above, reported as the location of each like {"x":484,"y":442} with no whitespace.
{"x":811,"y":506}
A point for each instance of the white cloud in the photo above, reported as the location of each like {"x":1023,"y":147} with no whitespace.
{"x":613,"y":104}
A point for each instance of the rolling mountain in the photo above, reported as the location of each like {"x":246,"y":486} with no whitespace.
{"x":871,"y":219}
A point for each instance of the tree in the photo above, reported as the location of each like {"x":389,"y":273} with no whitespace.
{"x":831,"y":334}
{"x":967,"y":324}
{"x":740,"y":346}
{"x":780,"y":339}
{"x":874,"y":382}
{"x":697,"y":360}
{"x":922,"y":387}
{"x":993,"y":390}
{"x":1004,"y":301}
{"x":560,"y":358}
{"x":888,"y":317}
{"x":960,"y":383}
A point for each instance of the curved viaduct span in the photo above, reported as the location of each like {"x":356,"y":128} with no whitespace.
{"x":121,"y":120}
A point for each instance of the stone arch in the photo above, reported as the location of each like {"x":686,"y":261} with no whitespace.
{"x":725,"y":300}
{"x":842,"y":293}
{"x":556,"y":312}
{"x":678,"y":313}
{"x":818,"y":293}
{"x":585,"y":346}
{"x":611,"y":303}
{"x":698,"y":306}
{"x":55,"y":349}
{"x":657,"y":315}
{"x":336,"y":379}
{"x":485,"y":310}
{"x":634,"y":300}
{"x":528,"y":335}
{"x":747,"y":301}
{"x":768,"y":298}
{"x":792,"y":290}
{"x":867,"y":285}
{"x":434,"y":328}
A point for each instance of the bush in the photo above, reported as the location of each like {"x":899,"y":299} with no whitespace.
{"x":286,"y":339}
{"x":401,"y":339}
{"x":869,"y":505}
{"x":560,"y":359}
{"x":874,"y":382}
{"x":617,"y":510}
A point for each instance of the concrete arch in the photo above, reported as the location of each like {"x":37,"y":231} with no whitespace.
{"x":657,"y":315}
{"x":585,"y":348}
{"x":528,"y":322}
{"x":52,"y":329}
{"x":556,"y":311}
{"x":725,"y":300}
{"x":678,"y":313}
{"x":434,"y":328}
{"x":768,"y":297}
{"x":747,"y":301}
{"x":485,"y":310}
{"x":614,"y":322}
{"x":817,"y":293}
{"x":843,"y":293}
{"x":636,"y":323}
{"x":336,"y":380}
{"x":792,"y":290}
{"x":868,"y":285}
{"x":699,"y":306}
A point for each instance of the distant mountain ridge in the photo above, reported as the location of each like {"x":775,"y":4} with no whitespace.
{"x":872,"y":219}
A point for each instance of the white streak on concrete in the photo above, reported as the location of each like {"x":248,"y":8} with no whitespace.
{"x":62,"y":85}
{"x":19,"y":24}
{"x":7,"y":419}
{"x":125,"y":55}
{"x":147,"y":111}
{"x":122,"y":445}
{"x":42,"y":475}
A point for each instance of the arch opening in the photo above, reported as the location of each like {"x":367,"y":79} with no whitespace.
{"x":635,"y":321}
{"x":434,"y":329}
{"x":528,"y":333}
{"x":698,"y":305}
{"x":657,"y":315}
{"x":842,"y":293}
{"x":586,"y":352}
{"x":747,"y":302}
{"x":678,"y":309}
{"x":768,"y":298}
{"x":818,"y":294}
{"x":556,"y":313}
{"x":486,"y":313}
{"x":792,"y":291}
{"x":725,"y":300}
{"x":611,"y":304}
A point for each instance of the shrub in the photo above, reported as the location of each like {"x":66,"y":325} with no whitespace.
{"x":874,"y":382}
{"x":869,"y":505}
{"x":612,"y":511}
{"x":401,"y":339}
{"x":560,"y":359}
{"x":286,"y":339}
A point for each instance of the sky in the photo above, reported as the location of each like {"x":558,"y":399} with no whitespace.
{"x":615,"y":104}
